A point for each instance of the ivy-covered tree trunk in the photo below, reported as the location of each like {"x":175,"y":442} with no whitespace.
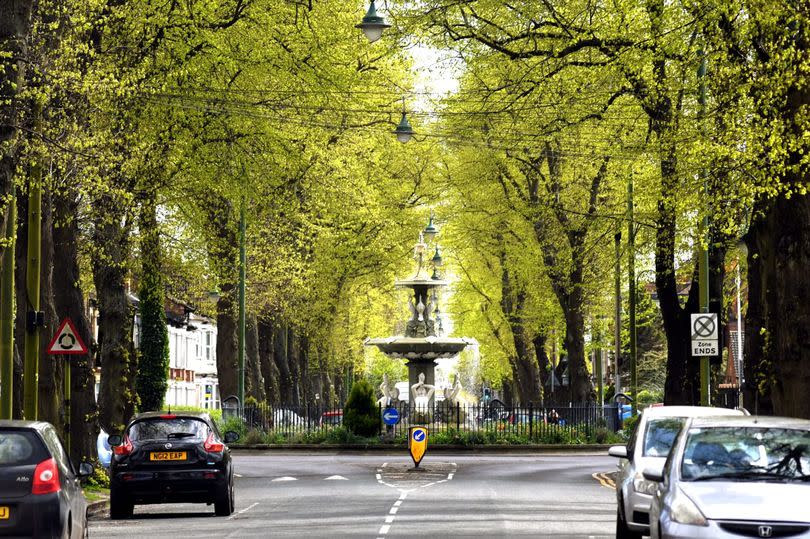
{"x":70,"y":302}
{"x":15,"y":25}
{"x":153,"y":363}
{"x":111,"y":235}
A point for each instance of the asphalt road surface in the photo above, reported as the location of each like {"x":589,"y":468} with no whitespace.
{"x":380,"y":496}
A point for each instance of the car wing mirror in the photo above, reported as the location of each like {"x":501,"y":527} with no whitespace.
{"x":85,"y":469}
{"x":618,"y":451}
{"x":231,"y":437}
{"x":654,"y":473}
{"x":115,"y":439}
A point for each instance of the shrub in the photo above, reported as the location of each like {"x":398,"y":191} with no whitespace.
{"x":99,"y":480}
{"x":253,"y":437}
{"x":232,"y":423}
{"x":361,"y":416}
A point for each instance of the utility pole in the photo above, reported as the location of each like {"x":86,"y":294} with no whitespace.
{"x":241,"y":381}
{"x":7,"y":312}
{"x":32,"y":281}
{"x":617,"y":319}
{"x":631,"y":275}
{"x":703,"y":259}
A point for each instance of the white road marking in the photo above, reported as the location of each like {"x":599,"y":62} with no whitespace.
{"x":394,"y":509}
{"x":245,"y":510}
{"x":385,"y":529}
{"x":389,"y":519}
{"x":379,"y":477}
{"x":286,"y":478}
{"x":237,"y":475}
{"x":397,"y":503}
{"x":335,"y":478}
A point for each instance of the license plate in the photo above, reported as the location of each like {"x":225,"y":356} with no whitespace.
{"x":168,"y":455}
{"x":4,"y":513}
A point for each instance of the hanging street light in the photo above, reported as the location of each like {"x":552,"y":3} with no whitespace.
{"x":437,"y":259}
{"x":372,"y":25}
{"x":404,"y":131}
{"x":430,"y":230}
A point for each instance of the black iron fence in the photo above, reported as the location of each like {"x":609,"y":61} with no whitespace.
{"x":582,"y":422}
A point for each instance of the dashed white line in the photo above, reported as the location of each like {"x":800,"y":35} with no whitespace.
{"x":286,"y":478}
{"x":238,"y":475}
{"x":385,"y":529}
{"x":245,"y":510}
{"x":394,"y":510}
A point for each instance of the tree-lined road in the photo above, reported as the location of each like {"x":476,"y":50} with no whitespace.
{"x":376,"y":495}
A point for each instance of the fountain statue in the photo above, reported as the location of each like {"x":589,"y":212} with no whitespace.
{"x":422,"y":344}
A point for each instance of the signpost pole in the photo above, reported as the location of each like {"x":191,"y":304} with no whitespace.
{"x":703,"y":260}
{"x":68,"y":361}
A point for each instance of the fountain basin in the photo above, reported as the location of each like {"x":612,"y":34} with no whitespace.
{"x":420,"y":348}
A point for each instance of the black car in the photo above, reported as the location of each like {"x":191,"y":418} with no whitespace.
{"x":40,"y":492}
{"x":170,"y":458}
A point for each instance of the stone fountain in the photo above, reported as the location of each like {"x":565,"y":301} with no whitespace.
{"x":423,"y":342}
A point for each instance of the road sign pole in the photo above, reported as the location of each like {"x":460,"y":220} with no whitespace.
{"x":631,"y":275}
{"x":703,"y":260}
{"x":68,"y":361}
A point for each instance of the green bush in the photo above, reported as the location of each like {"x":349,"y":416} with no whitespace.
{"x":232,"y":423}
{"x":253,"y":437}
{"x":361,"y":416}
{"x":628,"y":426}
{"x":99,"y":480}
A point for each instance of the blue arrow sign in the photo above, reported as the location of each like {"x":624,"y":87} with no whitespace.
{"x":418,"y":435}
{"x":391,"y":416}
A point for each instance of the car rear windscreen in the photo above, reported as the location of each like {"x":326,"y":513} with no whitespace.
{"x":21,"y":448}
{"x":179,"y":428}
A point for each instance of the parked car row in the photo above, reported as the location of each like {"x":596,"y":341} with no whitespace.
{"x":160,"y":458}
{"x":699,"y":472}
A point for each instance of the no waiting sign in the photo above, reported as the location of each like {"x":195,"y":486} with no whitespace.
{"x":705,"y":334}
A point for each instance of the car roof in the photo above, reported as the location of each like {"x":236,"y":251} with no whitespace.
{"x":752,"y":421}
{"x":23,"y":424}
{"x":690,"y":411}
{"x":159,"y":415}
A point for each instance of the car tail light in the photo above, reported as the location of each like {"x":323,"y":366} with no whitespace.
{"x":168,"y":416}
{"x":46,"y":478}
{"x":212,"y":445}
{"x":125,"y":448}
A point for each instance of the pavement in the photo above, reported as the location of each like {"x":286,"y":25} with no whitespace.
{"x":372,"y":494}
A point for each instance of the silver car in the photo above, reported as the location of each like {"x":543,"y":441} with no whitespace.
{"x":734,"y":477}
{"x":649,"y":446}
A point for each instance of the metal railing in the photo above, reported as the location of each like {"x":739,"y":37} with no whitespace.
{"x":533,"y":422}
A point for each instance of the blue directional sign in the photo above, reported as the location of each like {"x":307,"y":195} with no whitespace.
{"x":391,"y":416}
{"x":419,"y":435}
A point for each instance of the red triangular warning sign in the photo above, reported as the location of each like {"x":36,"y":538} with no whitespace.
{"x":66,"y":340}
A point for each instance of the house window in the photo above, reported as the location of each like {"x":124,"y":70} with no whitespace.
{"x":208,"y":342}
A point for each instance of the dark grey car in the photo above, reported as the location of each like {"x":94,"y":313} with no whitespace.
{"x":40,"y":490}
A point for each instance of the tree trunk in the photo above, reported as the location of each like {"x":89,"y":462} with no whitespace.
{"x":117,"y":359}
{"x":543,"y":363}
{"x":227,"y":342}
{"x":254,"y":379}
{"x":69,"y":301}
{"x":280,"y":356}
{"x":777,"y":334}
{"x":293,"y":360}
{"x":269,"y":369}
{"x":51,"y":394}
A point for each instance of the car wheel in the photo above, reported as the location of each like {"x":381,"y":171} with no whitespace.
{"x":121,"y":505}
{"x":223,"y":504}
{"x":622,"y":531}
